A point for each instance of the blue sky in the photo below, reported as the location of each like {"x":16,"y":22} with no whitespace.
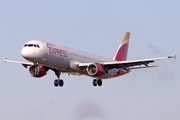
{"x":94,"y":26}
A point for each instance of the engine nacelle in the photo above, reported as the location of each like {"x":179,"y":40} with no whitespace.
{"x":37,"y":71}
{"x":95,"y":70}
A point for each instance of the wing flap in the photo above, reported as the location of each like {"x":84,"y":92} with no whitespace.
{"x":141,"y":67}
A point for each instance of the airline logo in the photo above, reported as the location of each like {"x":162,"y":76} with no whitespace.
{"x":55,"y":51}
{"x":49,"y":44}
{"x":121,"y":54}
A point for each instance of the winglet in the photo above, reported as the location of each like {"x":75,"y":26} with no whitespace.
{"x":172,"y":57}
{"x":5,"y":59}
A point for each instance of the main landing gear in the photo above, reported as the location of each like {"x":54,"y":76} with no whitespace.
{"x":97,"y":82}
{"x":58,"y":81}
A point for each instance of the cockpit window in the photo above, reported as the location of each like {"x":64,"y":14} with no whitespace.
{"x":32,"y":45}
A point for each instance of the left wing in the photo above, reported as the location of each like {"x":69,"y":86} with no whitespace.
{"x":126,"y":64}
{"x":25,"y":64}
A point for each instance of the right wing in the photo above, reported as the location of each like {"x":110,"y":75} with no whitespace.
{"x":25,"y":64}
{"x":126,"y":64}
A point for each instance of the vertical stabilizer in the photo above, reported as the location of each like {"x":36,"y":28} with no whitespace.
{"x":122,"y":51}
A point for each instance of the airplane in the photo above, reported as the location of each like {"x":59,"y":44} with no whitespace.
{"x":44,"y":56}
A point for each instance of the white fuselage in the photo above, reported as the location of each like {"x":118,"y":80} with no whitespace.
{"x":64,"y":59}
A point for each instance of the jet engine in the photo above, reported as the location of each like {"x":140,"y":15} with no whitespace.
{"x":37,"y":71}
{"x":95,"y":70}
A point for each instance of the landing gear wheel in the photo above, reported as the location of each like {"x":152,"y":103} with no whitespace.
{"x":95,"y":82}
{"x":61,"y":83}
{"x":35,"y":73}
{"x":56,"y":83}
{"x":99,"y":82}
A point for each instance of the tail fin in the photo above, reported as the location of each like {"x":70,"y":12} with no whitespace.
{"x":122,"y":51}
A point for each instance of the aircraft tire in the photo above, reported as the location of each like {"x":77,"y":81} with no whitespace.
{"x":99,"y":82}
{"x":95,"y":82}
{"x":55,"y":83}
{"x":61,"y":83}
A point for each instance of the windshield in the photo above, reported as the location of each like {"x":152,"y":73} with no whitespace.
{"x":32,"y":45}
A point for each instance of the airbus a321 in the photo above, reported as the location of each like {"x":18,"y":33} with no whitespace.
{"x":44,"y":56}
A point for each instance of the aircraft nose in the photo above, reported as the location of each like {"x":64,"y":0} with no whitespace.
{"x":24,"y":52}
